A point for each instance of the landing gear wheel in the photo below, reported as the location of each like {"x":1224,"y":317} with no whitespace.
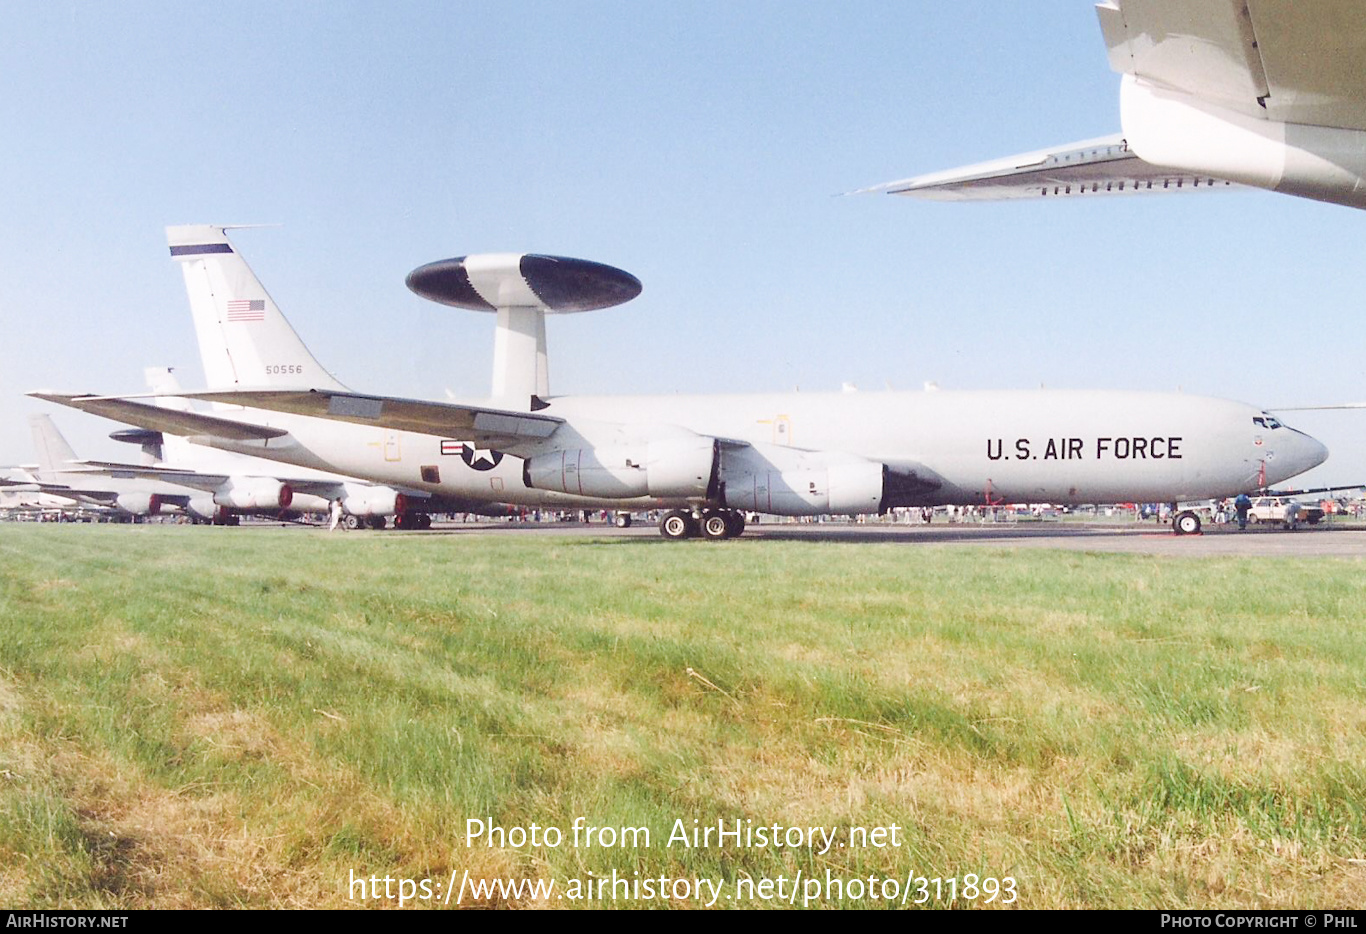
{"x":378,"y":522}
{"x":736,"y":520}
{"x":677,"y":525}
{"x":424,"y":520}
{"x":1186,"y":523}
{"x":352,"y":522}
{"x":715,"y":526}
{"x":622,"y":520}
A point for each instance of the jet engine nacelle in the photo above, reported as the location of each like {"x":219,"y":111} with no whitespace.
{"x":672,"y":468}
{"x":254,"y":493}
{"x":1169,"y":128}
{"x":374,"y":501}
{"x":138,"y":504}
{"x":203,"y":507}
{"x":850,"y":488}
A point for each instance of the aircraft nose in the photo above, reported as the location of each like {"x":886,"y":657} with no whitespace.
{"x":1301,"y":452}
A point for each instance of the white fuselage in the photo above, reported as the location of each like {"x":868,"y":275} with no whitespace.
{"x":969,"y":447}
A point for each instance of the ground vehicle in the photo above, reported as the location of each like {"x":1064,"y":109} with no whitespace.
{"x":1279,"y":509}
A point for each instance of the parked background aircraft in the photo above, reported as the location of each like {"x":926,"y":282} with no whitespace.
{"x":59,"y":473}
{"x":20,"y":492}
{"x":709,"y":458}
{"x":230,"y":477}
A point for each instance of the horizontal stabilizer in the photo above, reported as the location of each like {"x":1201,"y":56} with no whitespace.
{"x":161,"y":419}
{"x":494,"y":427}
{"x":1104,"y":166}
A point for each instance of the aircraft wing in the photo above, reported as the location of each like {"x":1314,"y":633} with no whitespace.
{"x":498,"y":428}
{"x":157,"y":418}
{"x":194,"y":479}
{"x":326,"y":487}
{"x":103,"y":497}
{"x":1278,"y":60}
{"x":1316,"y":408}
{"x":1223,"y":93}
{"x":1103,"y":166}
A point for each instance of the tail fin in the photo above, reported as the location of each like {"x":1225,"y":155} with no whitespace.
{"x":174,"y":448}
{"x":244,"y":340}
{"x":53,"y":451}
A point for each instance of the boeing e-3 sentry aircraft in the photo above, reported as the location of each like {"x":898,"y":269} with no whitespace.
{"x":707,"y":459}
{"x":1214,"y":93}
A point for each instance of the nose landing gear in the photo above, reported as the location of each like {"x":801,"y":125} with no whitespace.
{"x":1186,"y":523}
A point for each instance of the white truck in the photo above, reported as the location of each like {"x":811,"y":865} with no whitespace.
{"x":1283,"y":509}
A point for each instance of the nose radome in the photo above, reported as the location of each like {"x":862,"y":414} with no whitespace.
{"x":1303,"y":453}
{"x":1318,"y":451}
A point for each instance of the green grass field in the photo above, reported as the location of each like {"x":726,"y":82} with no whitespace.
{"x":198,"y":717}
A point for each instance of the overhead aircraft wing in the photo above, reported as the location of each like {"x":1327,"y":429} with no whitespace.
{"x":1216,"y":94}
{"x":1316,"y":408}
{"x":1103,"y":166}
{"x":1280,"y":60}
{"x":157,"y":418}
{"x":498,"y":428}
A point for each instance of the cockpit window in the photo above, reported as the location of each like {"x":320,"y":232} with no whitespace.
{"x":1266,"y":421}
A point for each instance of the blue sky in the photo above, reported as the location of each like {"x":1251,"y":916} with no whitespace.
{"x":700,"y":147}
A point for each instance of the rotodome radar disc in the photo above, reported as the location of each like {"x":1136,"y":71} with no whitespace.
{"x":489,"y":281}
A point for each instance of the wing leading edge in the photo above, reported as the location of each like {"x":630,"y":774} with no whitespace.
{"x":157,"y":418}
{"x":499,"y":428}
{"x":1094,"y":167}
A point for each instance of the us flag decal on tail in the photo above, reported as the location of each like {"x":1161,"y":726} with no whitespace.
{"x":241,"y":309}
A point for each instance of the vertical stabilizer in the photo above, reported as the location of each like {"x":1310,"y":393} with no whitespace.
{"x":244,"y":340}
{"x":174,"y":448}
{"x":53,"y":451}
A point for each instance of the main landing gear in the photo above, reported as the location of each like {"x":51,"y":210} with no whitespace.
{"x":713,"y":524}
